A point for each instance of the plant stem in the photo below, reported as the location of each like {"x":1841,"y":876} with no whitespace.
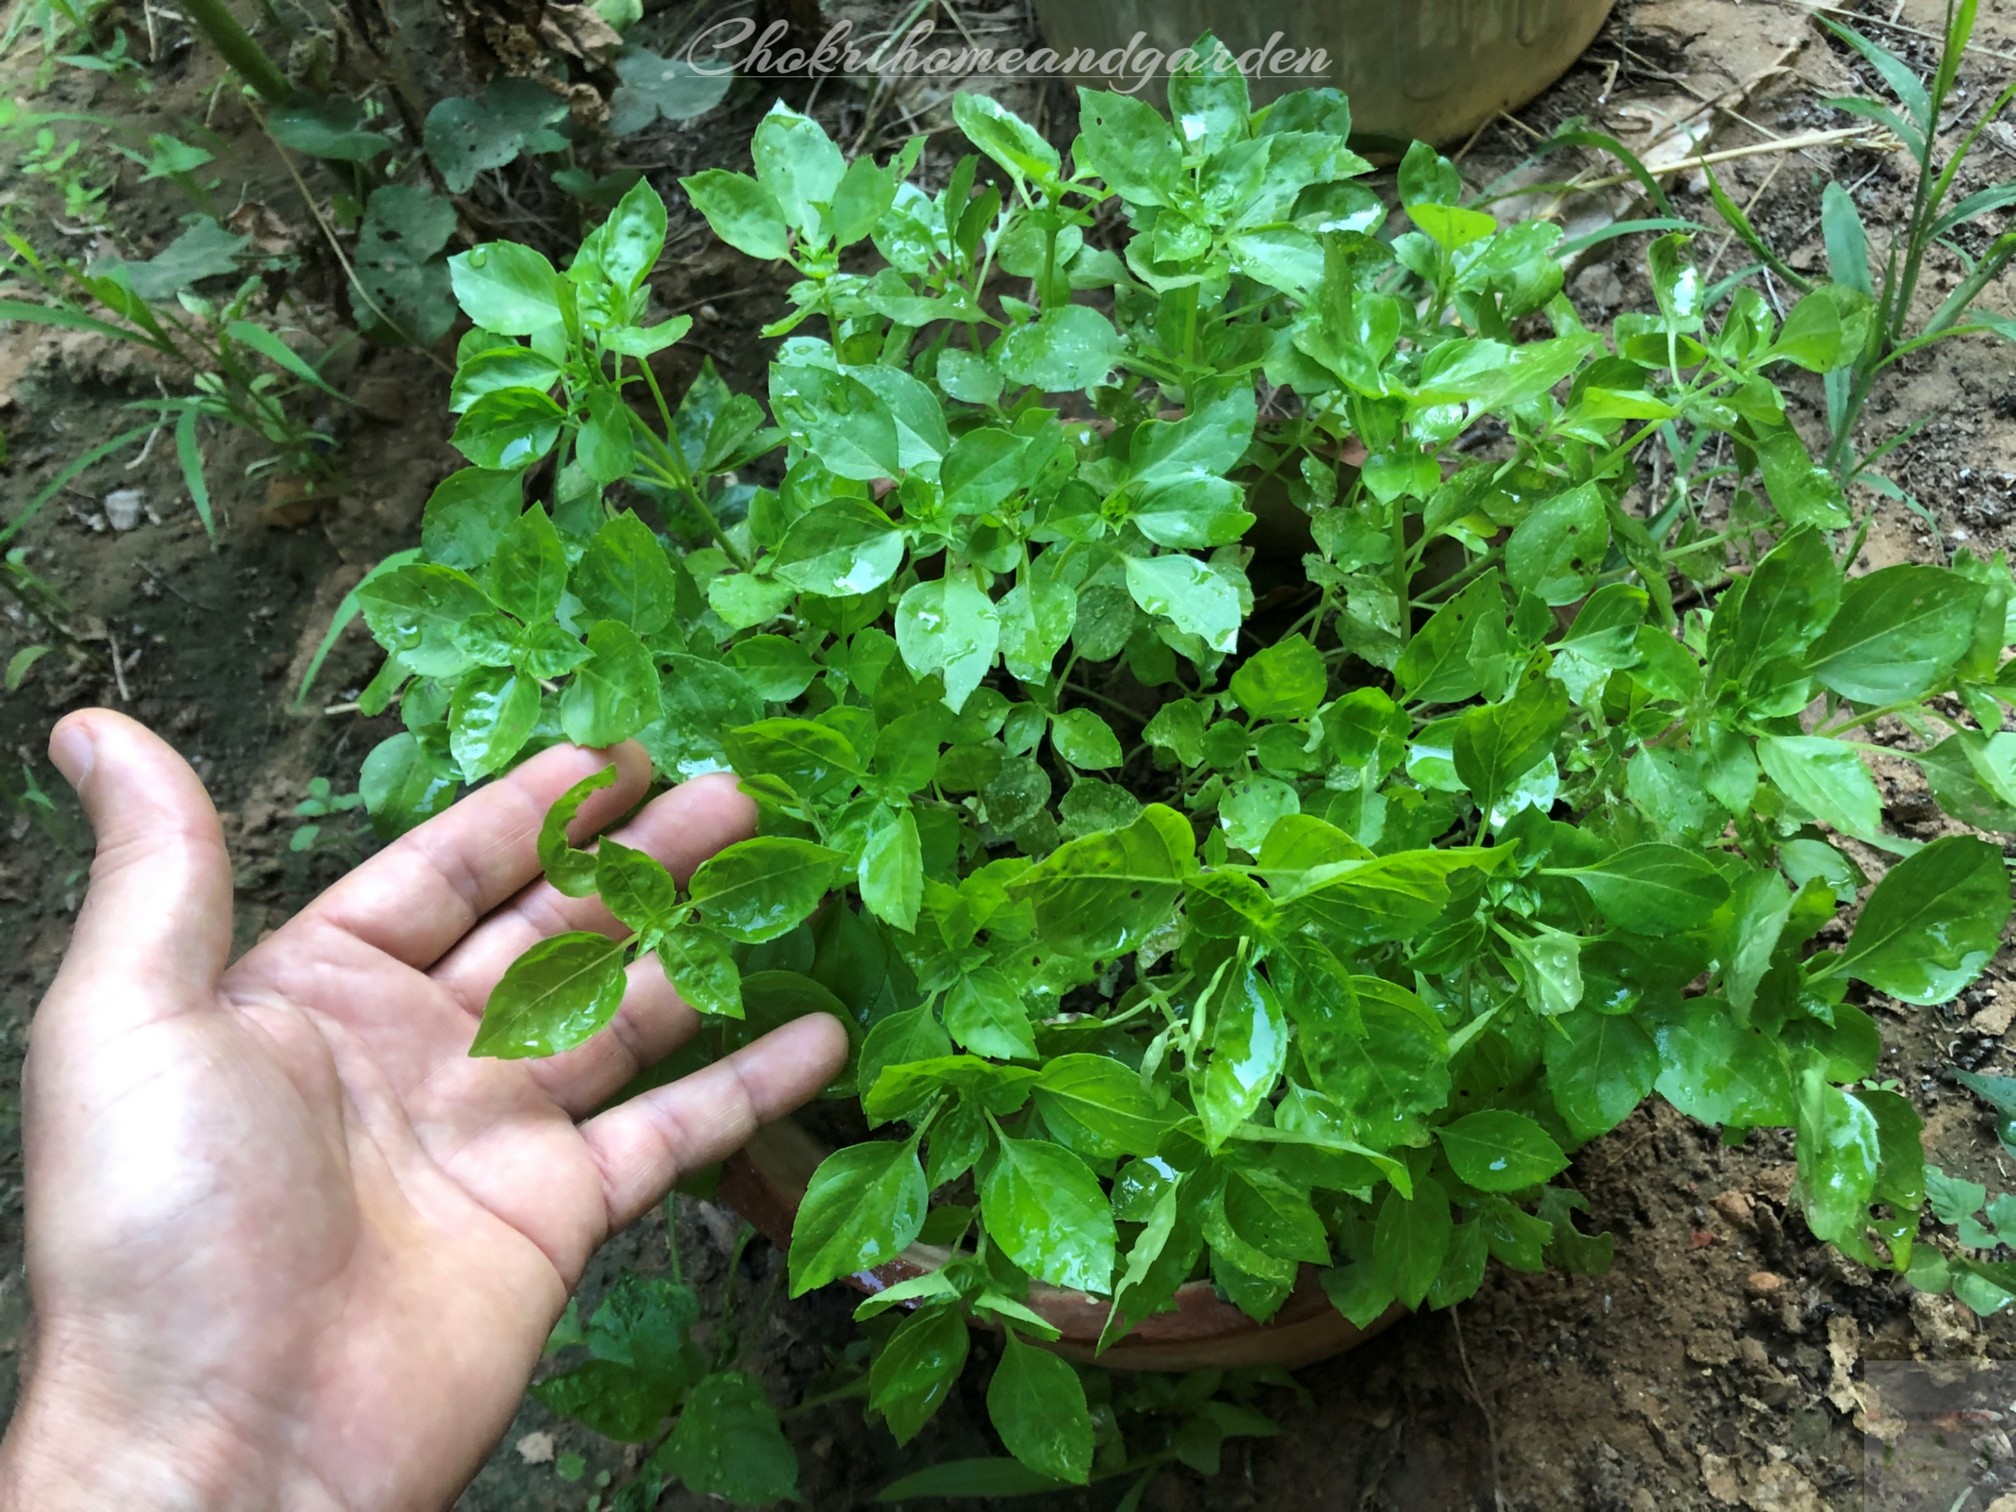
{"x":682,"y":474}
{"x":236,"y":46}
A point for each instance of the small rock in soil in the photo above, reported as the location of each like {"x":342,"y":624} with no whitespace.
{"x":124,"y":507}
{"x":1764,"y":1283}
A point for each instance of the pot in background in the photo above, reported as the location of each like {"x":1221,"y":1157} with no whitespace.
{"x":766,"y":1181}
{"x":1429,"y":69}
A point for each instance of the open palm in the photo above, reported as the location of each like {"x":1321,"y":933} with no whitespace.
{"x":288,"y":1245}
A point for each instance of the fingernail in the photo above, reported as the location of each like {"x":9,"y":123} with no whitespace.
{"x":71,"y":749}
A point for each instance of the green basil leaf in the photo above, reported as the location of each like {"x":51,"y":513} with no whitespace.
{"x":553,"y":997}
{"x":1410,"y":1237}
{"x":1286,"y":680}
{"x":758,"y":889}
{"x":490,"y":718}
{"x":1037,"y":1404}
{"x":1654,"y":888}
{"x":700,"y":965}
{"x":1099,"y":1108}
{"x":1599,"y":1068}
{"x":1102,"y":895}
{"x":1500,"y":1151}
{"x":891,"y":874}
{"x":728,"y":1443}
{"x":615,"y":693}
{"x":863,"y":1206}
{"x":1248,"y":1047}
{"x":1933,"y":923}
{"x":914,"y":1371}
{"x":985,"y":1013}
{"x":1826,"y":778}
{"x":571,"y":871}
{"x":1898,"y":633}
{"x":1045,"y":1208}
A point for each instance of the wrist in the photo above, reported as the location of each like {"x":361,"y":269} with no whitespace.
{"x":75,"y":1444}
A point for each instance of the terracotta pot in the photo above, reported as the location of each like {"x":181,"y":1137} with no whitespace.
{"x":766,"y":1181}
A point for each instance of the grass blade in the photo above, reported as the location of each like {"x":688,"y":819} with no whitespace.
{"x":277,"y":352}
{"x":190,"y":455}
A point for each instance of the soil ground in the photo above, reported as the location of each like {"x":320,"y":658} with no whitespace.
{"x":1722,"y":1362}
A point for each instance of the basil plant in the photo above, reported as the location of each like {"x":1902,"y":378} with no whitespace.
{"x":1259,"y":767}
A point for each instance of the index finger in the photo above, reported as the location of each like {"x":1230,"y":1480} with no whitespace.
{"x":422,"y":893}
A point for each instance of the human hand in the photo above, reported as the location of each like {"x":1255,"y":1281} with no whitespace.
{"x":288,"y":1245}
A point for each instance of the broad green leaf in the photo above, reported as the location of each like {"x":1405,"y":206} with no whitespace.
{"x":1792,"y":596}
{"x":553,"y":997}
{"x":778,"y":669}
{"x":1083,"y":739}
{"x":1497,"y":744}
{"x":1102,"y":895}
{"x":758,"y":889}
{"x":915,"y":1370}
{"x":837,"y":418}
{"x":651,"y":87}
{"x":862,"y":1207}
{"x":403,"y":784}
{"x":812,"y":757}
{"x":624,"y":575}
{"x":1099,"y":1108}
{"x":1804,"y":492}
{"x":1759,"y":909}
{"x":1654,"y":888}
{"x":1932,"y":923}
{"x":509,"y":429}
{"x":508,"y":116}
{"x":1128,"y":143}
{"x":466,"y":517}
{"x":529,"y":571}
{"x":891,"y":874}
{"x":490,"y":718}
{"x":1410,"y":1238}
{"x":615,"y":693}
{"x":741,"y":212}
{"x":949,"y":626}
{"x":1045,"y":1209}
{"x":1599,"y":1068}
{"x":1247,"y":1048}
{"x":1839,"y":1151}
{"x":700,"y":965}
{"x":1548,"y":964}
{"x":1500,"y":1151}
{"x":984,"y":1012}
{"x":1286,"y":680}
{"x":1714,"y":1070}
{"x":1556,"y":550}
{"x":1450,"y":657}
{"x":1070,"y":347}
{"x":728,"y":1443}
{"x":840,"y":549}
{"x":1037,"y":1404}
{"x":506,"y":288}
{"x":798,"y":163}
{"x":603,"y":446}
{"x":1898,"y":633}
{"x":1005,"y":137}
{"x":1826,"y":778}
{"x":416,"y":610}
{"x":1189,"y":594}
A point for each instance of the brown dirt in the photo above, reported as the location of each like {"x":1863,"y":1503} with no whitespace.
{"x":1717,"y":1365}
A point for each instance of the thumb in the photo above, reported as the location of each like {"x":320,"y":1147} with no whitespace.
{"x":159,"y":905}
